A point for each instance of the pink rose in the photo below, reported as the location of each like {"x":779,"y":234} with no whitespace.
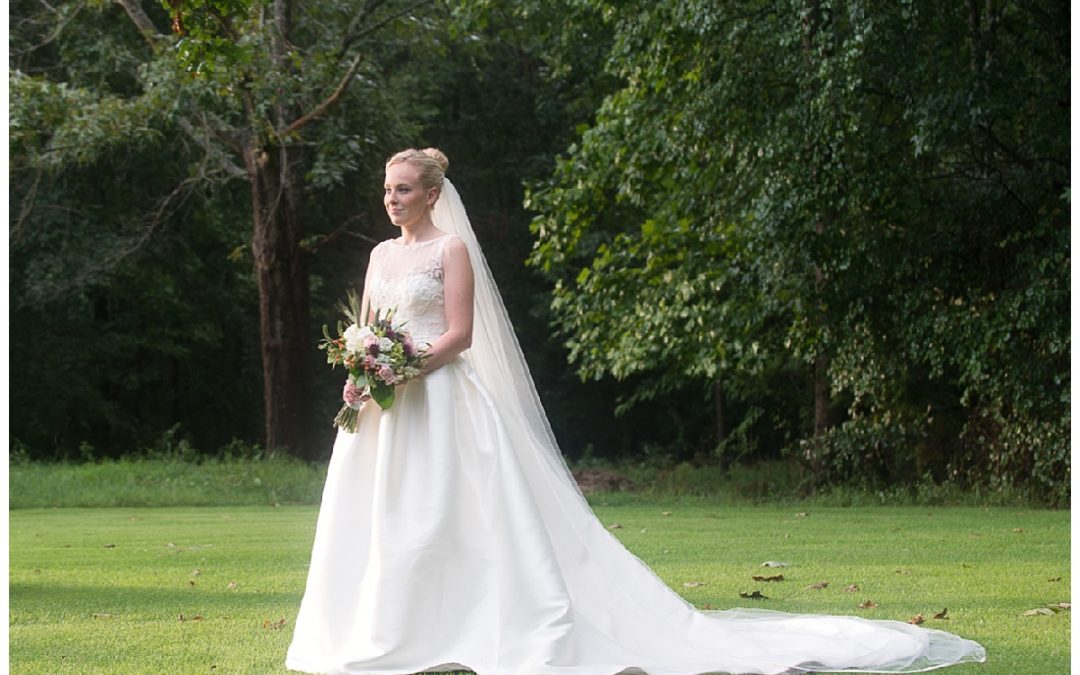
{"x":370,"y":363}
{"x":386,"y":374}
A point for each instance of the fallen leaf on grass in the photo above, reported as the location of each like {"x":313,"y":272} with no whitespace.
{"x":753,"y":595}
{"x":1039,"y":611}
{"x":614,"y":526}
{"x":197,"y":617}
{"x":1018,"y":530}
{"x":195,"y":572}
{"x":917,"y":619}
{"x":904,"y":572}
{"x":851,"y":588}
{"x":869,"y":604}
{"x":801,"y":514}
{"x":818,"y":586}
{"x":232,"y":585}
{"x":693,"y":584}
{"x":1064,"y":605}
{"x":706,"y":606}
{"x":775,"y":577}
{"x":191,"y":582}
{"x":102,"y":615}
{"x":665,"y":513}
{"x":274,"y":625}
{"x":1054,"y":579}
{"x":110,"y":545}
{"x":774,"y":563}
{"x":943,"y":614}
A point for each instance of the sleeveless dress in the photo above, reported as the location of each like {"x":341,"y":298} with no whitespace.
{"x":438,"y":548}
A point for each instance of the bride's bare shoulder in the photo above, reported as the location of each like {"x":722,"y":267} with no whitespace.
{"x":455,"y":249}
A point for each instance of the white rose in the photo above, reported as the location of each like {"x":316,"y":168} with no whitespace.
{"x":354,"y":337}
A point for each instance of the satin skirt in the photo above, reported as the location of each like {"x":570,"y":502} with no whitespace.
{"x":442,"y":543}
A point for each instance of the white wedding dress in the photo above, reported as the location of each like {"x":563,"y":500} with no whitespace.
{"x":449,"y":538}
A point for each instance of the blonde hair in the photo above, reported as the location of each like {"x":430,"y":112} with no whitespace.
{"x":431,"y":162}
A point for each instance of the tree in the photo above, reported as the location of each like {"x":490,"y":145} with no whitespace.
{"x":248,"y":81}
{"x":127,"y":317}
{"x":862,"y":189}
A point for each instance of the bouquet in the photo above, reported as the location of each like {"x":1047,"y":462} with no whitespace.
{"x":378,"y":356}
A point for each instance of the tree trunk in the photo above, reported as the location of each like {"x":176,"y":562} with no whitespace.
{"x":821,"y":394}
{"x":720,"y":398}
{"x":812,"y":26}
{"x":720,"y":401}
{"x":281,"y":273}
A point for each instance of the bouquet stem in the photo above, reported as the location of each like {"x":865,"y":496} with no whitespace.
{"x":347,"y":418}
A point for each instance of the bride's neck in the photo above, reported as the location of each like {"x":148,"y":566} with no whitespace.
{"x":421,"y":230}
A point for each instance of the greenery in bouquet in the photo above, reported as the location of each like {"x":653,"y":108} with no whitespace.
{"x":378,"y":356}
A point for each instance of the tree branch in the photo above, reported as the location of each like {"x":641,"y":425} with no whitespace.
{"x":122,"y":249}
{"x":345,"y":81}
{"x":203,"y":140}
{"x":350,"y":33}
{"x":328,"y":102}
{"x":228,"y":139}
{"x":57,"y":29}
{"x":316,"y":244}
{"x":146,"y":27}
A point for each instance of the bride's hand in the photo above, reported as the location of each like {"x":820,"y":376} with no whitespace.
{"x":353,"y":394}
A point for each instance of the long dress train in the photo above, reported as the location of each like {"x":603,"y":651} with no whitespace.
{"x":445,"y":542}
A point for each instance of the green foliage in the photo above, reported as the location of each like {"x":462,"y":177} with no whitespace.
{"x":130,"y":232}
{"x":744,"y":189}
{"x":122,"y":328}
{"x":169,"y":475}
{"x":214,"y":35}
{"x":879,"y":185}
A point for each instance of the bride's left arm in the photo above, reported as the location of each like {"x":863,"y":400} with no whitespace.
{"x":458,"y":299}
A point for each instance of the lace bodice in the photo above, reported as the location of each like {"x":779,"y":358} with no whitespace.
{"x":408,"y":278}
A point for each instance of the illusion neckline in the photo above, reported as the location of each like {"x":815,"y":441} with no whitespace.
{"x":400,"y":244}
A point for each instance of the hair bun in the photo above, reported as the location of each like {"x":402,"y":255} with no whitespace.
{"x":438,"y":156}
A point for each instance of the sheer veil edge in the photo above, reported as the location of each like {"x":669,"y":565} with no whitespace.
{"x":495,"y":353}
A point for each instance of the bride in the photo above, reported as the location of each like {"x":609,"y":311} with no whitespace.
{"x":452,"y":537}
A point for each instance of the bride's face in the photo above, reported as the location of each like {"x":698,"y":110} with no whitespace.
{"x":404,"y":196}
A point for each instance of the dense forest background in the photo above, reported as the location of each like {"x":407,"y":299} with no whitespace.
{"x":833,"y":233}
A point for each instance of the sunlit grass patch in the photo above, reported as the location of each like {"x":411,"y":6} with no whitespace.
{"x":197,"y":590}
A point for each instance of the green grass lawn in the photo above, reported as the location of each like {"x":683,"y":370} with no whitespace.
{"x":213,"y":589}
